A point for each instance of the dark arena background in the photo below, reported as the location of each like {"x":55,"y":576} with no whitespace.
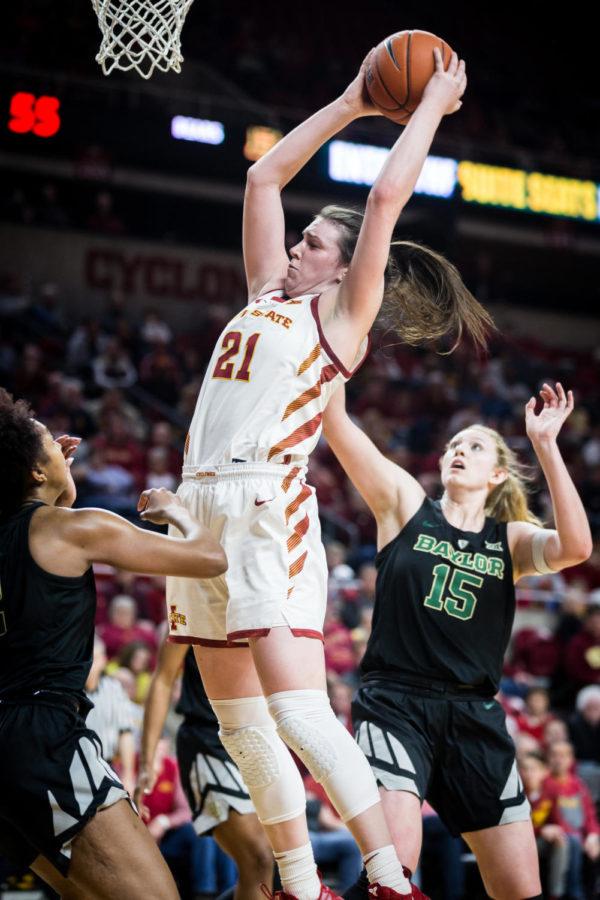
{"x":120,"y":263}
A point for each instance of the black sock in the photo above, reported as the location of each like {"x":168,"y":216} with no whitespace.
{"x":360,"y":888}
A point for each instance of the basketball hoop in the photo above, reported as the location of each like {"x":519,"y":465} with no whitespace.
{"x":140,"y":34}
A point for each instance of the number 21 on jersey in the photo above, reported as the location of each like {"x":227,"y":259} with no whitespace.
{"x":232,"y":345}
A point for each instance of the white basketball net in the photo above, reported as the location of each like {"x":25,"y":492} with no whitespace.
{"x":140,"y":35}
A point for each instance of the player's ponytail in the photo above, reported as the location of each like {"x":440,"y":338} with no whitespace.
{"x":425,"y":297}
{"x":20,"y":449}
{"x":507,"y":502}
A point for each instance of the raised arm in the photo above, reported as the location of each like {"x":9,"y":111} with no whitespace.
{"x":535,"y":550}
{"x":390,"y":492}
{"x":265,"y":257}
{"x":170,"y":660}
{"x":358,"y":298}
{"x":105,"y":537}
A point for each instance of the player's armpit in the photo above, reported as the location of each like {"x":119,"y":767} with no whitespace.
{"x":106,"y":537}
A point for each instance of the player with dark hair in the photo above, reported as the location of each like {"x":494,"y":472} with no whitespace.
{"x":62,"y":808}
{"x":258,"y":631}
{"x":425,"y":713}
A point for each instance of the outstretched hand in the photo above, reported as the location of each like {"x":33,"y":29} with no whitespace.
{"x":446,"y":86}
{"x":547,"y":423}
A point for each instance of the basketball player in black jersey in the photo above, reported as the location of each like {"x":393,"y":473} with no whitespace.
{"x":214,"y":787}
{"x":63,"y":811}
{"x":425,"y":713}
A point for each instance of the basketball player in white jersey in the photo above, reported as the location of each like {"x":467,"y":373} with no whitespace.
{"x":257,"y":631}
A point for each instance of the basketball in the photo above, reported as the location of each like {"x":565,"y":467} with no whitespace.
{"x":398,"y":70}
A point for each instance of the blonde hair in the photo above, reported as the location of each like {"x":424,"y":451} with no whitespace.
{"x":507,"y":502}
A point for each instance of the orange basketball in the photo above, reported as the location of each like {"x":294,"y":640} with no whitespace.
{"x":398,"y":70}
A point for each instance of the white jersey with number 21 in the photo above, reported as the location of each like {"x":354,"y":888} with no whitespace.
{"x":268,"y":381}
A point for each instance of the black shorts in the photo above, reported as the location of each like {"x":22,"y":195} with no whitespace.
{"x":212,"y":782}
{"x":52,"y":779}
{"x":449,"y":748}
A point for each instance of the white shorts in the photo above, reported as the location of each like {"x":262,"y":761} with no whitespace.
{"x":266,"y":518}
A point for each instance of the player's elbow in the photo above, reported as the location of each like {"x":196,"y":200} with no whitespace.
{"x":215,"y":563}
{"x":258,"y":176}
{"x":583,"y":550}
{"x":386,"y":199}
{"x":575,"y":554}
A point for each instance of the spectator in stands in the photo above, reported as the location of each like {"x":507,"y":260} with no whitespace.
{"x":113,"y":367}
{"x":584,"y":730}
{"x":359,"y":637}
{"x":338,"y":643}
{"x":31,"y":378}
{"x":50,"y":210}
{"x":582,"y":654}
{"x":336,"y":554}
{"x":555,"y":732}
{"x":148,"y":591}
{"x":160,"y":373}
{"x":120,"y":447}
{"x":111,"y":718}
{"x":103,"y":218}
{"x":367,"y":575}
{"x":158,"y":474}
{"x":137,"y":657}
{"x":535,"y":715}
{"x":46,"y":314}
{"x":18,"y":208}
{"x":162,"y":436}
{"x":71,"y":404}
{"x":85,"y":343}
{"x":167,"y":814}
{"x":552,"y":841}
{"x":106,"y":485}
{"x":573,"y":810}
{"x":188,"y":398}
{"x":154,"y":329}
{"x":584,"y":725}
{"x":126,"y":679}
{"x":340,"y":696}
{"x":123,"y":628}
{"x":525,"y":744}
{"x":114,"y":311}
{"x":590,"y":495}
{"x":112,"y":402}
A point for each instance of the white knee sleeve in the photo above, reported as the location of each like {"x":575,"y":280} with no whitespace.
{"x":306,"y":722}
{"x":248,"y":734}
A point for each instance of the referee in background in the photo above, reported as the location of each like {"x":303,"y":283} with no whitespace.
{"x":112,"y":717}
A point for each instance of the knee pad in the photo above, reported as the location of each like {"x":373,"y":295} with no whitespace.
{"x":306,"y":722}
{"x":248,"y":734}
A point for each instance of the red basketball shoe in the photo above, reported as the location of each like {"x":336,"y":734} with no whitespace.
{"x":326,"y":894}
{"x":388,"y":893}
